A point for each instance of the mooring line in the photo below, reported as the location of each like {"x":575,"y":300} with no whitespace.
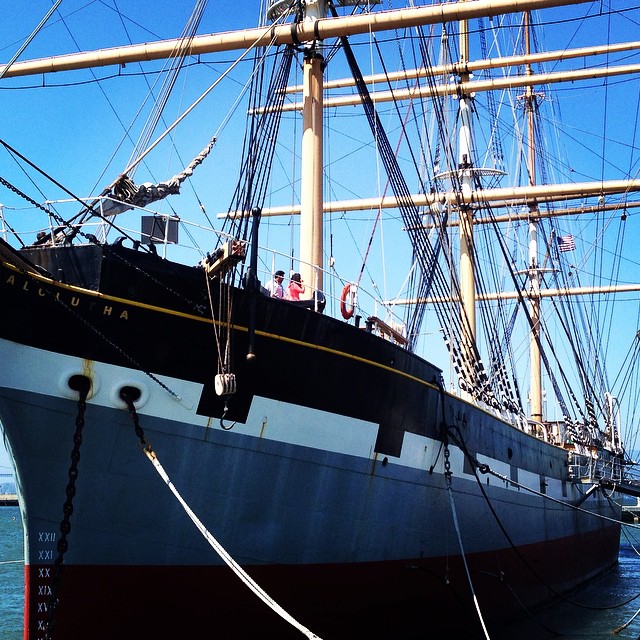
{"x":128,"y":396}
{"x":448,"y":474}
{"x":221,"y":551}
{"x":622,"y":627}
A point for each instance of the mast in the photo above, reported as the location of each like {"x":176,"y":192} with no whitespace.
{"x":478,"y":65}
{"x":494,"y":84}
{"x":465,"y":173}
{"x":535,"y":391}
{"x":311,"y":187}
{"x":313,"y":12}
{"x":311,"y":196}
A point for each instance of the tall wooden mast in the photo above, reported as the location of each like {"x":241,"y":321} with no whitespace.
{"x":308,"y":14}
{"x":465,"y":185}
{"x":311,"y":191}
{"x":313,"y":12}
{"x":535,"y":391}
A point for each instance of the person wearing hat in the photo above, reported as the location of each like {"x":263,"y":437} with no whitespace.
{"x":274,"y":286}
{"x":295,"y":288}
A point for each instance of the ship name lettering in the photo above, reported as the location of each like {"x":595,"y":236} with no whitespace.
{"x":74,"y":301}
{"x":45,"y":555}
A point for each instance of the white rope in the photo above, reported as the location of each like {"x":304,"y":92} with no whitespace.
{"x":464,"y":559}
{"x":237,"y":569}
{"x":622,"y":627}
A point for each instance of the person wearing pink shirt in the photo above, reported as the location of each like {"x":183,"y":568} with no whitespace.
{"x":295,"y":288}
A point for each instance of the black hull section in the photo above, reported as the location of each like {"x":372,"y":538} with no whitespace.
{"x":372,"y":496}
{"x":300,"y":356}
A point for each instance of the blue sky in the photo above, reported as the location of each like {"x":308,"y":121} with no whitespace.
{"x":91,"y":25}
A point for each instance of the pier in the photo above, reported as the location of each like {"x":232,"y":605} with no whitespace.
{"x":8,"y":500}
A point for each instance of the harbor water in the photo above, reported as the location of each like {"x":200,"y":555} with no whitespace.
{"x":11,"y":574}
{"x":594,"y":612}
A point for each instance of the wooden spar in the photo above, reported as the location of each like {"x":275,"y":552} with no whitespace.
{"x":524,"y":217}
{"x":504,"y":196}
{"x":477,"y":86}
{"x":513,"y":295}
{"x":311,"y":236}
{"x":280,"y":34}
{"x":535,"y":358}
{"x":478,"y":65}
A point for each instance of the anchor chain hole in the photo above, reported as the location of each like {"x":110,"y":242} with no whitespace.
{"x":129,"y":393}
{"x":79,"y":383}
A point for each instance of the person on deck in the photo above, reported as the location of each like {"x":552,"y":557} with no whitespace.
{"x":274,"y":286}
{"x":295,"y":288}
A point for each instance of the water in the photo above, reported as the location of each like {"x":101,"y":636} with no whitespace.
{"x":597,"y":610}
{"x":566,"y":620}
{"x":11,"y":574}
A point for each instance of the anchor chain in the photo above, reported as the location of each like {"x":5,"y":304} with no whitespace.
{"x":82,"y":385}
{"x":129,"y":396}
{"x":447,"y":464}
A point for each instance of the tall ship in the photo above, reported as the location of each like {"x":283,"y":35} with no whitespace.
{"x":321,"y":324}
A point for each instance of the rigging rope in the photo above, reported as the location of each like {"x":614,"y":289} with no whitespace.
{"x":485,"y":469}
{"x":422,"y":246}
{"x":27,"y":42}
{"x":259,"y":144}
{"x":206,"y":534}
{"x":176,"y":64}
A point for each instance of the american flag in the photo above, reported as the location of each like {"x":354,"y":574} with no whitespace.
{"x":566,"y":243}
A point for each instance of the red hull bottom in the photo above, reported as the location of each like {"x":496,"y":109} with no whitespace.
{"x":383,"y":600}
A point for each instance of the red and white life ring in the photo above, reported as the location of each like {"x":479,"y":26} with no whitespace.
{"x":348,"y":300}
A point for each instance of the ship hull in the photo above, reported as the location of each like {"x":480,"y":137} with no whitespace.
{"x":377,"y":600}
{"x":340,"y":475}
